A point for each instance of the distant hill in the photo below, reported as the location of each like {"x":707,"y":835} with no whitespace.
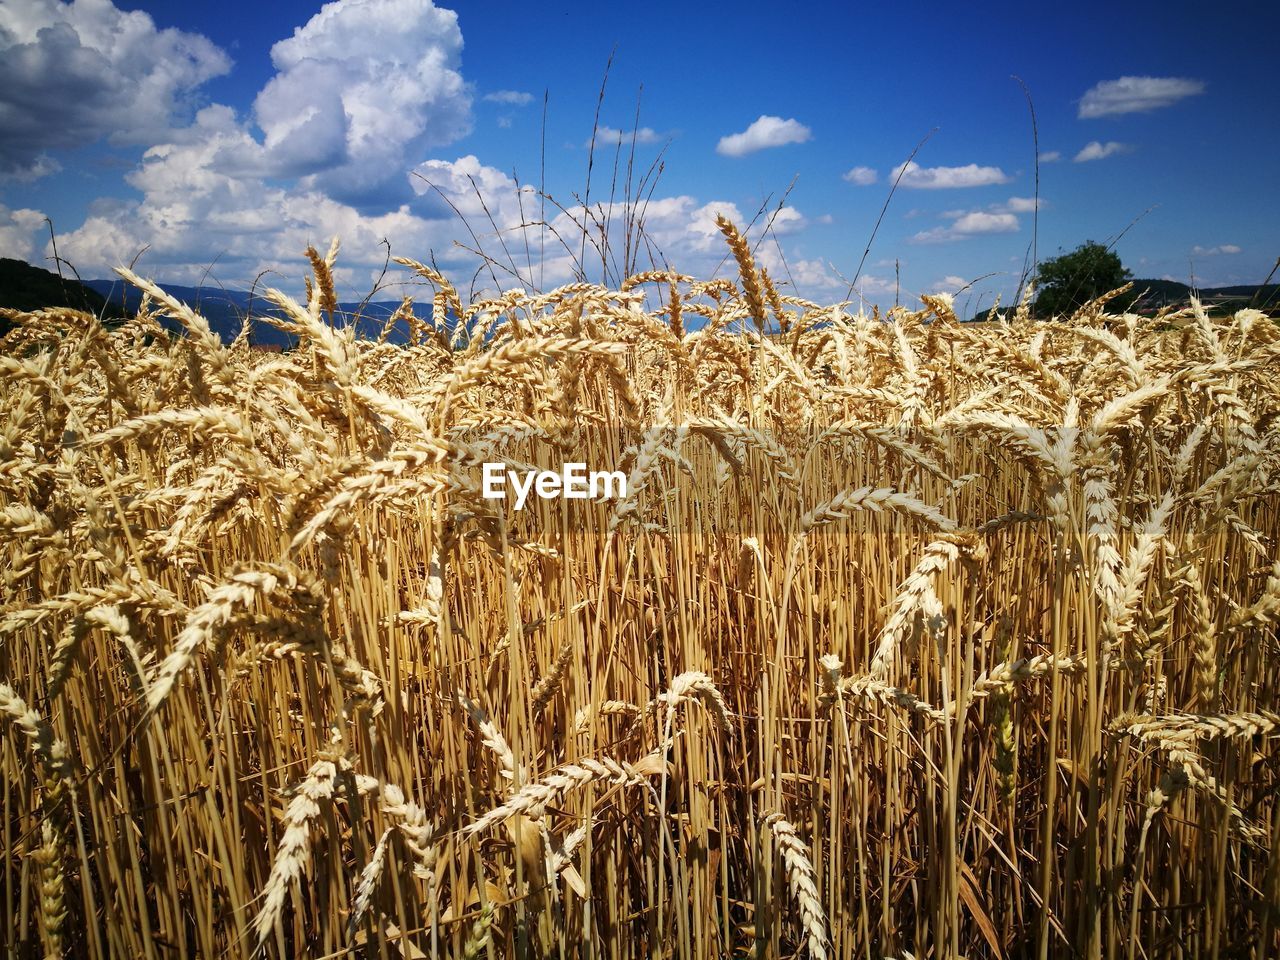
{"x":1154,"y":294}
{"x":24,"y":287}
{"x":226,"y":309}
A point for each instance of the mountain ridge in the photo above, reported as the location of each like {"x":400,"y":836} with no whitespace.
{"x":225,"y":309}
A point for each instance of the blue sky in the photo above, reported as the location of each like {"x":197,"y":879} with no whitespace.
{"x":225,"y":137}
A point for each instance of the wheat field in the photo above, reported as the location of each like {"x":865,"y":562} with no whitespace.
{"x":910,"y":638}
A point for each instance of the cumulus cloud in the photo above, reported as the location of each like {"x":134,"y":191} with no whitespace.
{"x":1226,"y":248}
{"x":1051,"y":156}
{"x":945,"y":178}
{"x":786,"y":221}
{"x":1136,"y":95}
{"x":949,"y":284}
{"x":979,"y":222}
{"x":459,"y":181}
{"x":861,"y":176}
{"x":363,"y":90}
{"x":873,"y":286}
{"x":765,"y":132}
{"x":811,"y":277}
{"x":192,"y":213}
{"x":344,"y":140}
{"x":1021,"y":205}
{"x":19,"y":233}
{"x":683,"y":231}
{"x":612,"y":136}
{"x":1093,"y":150}
{"x":970,"y":224}
{"x":512,"y":98}
{"x":71,"y":74}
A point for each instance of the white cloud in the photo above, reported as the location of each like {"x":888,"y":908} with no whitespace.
{"x":340,"y":141}
{"x":71,"y":74}
{"x":679,"y":227}
{"x":1051,"y":156}
{"x":873,"y":286}
{"x":513,"y":98}
{"x":786,"y":221}
{"x":1021,"y":205}
{"x":811,"y":277}
{"x":1014,"y":205}
{"x":192,"y":213}
{"x":1227,"y":248}
{"x":1093,"y":150}
{"x":1136,"y":95}
{"x":765,"y":132}
{"x":861,"y":176}
{"x":949,"y":284}
{"x":363,"y":90}
{"x":613,"y":137}
{"x":943,"y":178}
{"x":684,"y":231}
{"x":973,"y":223}
{"x":19,"y":233}
{"x":979,"y":222}
{"x":460,"y":180}
{"x":936,"y":235}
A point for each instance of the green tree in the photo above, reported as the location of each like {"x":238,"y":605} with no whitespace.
{"x":1067,"y":282}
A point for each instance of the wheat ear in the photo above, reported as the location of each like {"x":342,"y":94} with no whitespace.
{"x":802,"y":879}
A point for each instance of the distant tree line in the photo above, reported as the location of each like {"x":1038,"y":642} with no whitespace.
{"x":1067,"y":282}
